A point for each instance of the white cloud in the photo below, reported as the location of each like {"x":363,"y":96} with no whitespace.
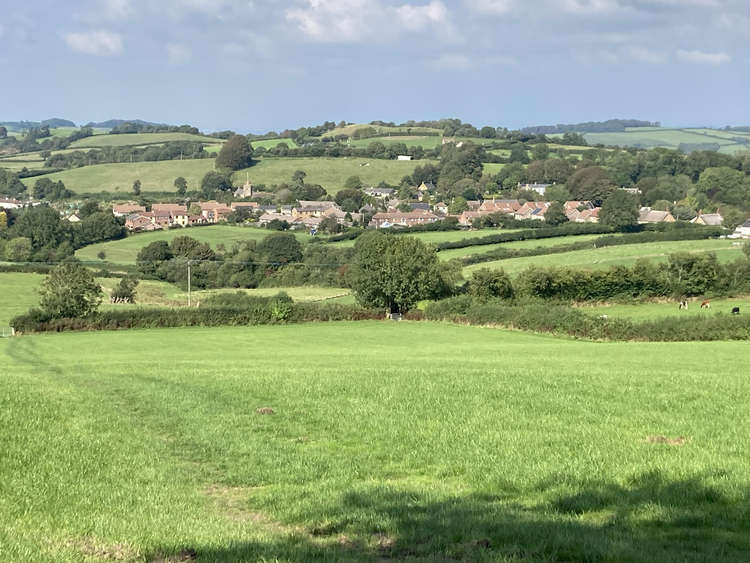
{"x":701,"y":57}
{"x":177,"y":53}
{"x":491,"y":6}
{"x":590,"y":6}
{"x":419,"y":17}
{"x":100,"y":43}
{"x":335,"y":20}
{"x":116,"y":9}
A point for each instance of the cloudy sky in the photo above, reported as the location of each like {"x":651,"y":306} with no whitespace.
{"x":255,"y":65}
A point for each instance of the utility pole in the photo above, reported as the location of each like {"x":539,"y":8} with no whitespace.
{"x":189,"y":305}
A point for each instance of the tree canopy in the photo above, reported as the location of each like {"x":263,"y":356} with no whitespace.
{"x":235,"y":154}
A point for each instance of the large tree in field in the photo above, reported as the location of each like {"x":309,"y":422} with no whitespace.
{"x":393,"y":272}
{"x":619,"y":210}
{"x":279,"y":249}
{"x":235,"y":154}
{"x":69,"y":291}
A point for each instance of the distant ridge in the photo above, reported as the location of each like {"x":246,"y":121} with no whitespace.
{"x":112,"y":123}
{"x":51,"y":123}
{"x":609,"y":126}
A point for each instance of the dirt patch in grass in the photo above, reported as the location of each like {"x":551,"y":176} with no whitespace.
{"x":93,"y":548}
{"x":264,"y":410}
{"x":187,"y":554}
{"x":679,"y":441}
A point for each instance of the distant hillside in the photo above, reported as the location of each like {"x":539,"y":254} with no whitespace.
{"x":609,"y":126}
{"x":51,"y":123}
{"x":112,"y":123}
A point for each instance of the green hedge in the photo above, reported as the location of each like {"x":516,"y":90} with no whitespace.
{"x":528,"y":234}
{"x":564,"y":320}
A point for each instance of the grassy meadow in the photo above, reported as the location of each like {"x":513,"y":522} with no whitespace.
{"x":18,"y":293}
{"x":331,"y":173}
{"x":124,"y":251}
{"x":615,"y":255}
{"x":515,"y":245}
{"x":668,"y":308}
{"x":119,"y":177}
{"x":137,"y":139}
{"x":148,"y":445}
{"x":648,"y":137}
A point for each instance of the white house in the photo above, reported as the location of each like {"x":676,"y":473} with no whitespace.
{"x":743,"y":231}
{"x":404,"y":157}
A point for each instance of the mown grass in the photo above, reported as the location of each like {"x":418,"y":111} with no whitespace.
{"x":18,"y":293}
{"x":331,"y":173}
{"x":519,"y":244}
{"x":476,"y":444}
{"x":119,"y":177}
{"x":134,"y":139}
{"x":124,"y":251}
{"x":668,"y":308}
{"x":615,"y":255}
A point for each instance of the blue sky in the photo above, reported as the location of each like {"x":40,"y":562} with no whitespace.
{"x":255,"y":65}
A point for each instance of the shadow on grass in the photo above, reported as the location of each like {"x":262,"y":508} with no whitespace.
{"x":651,"y":518}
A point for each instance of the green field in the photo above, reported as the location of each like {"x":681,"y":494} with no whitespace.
{"x":18,"y":293}
{"x":331,"y":173}
{"x":119,"y":177}
{"x":436,"y":237}
{"x":349,"y":129}
{"x":134,"y":139}
{"x":492,"y":168}
{"x":651,"y":311}
{"x":614,"y":255}
{"x":146,"y":445}
{"x":648,"y":137}
{"x":271,"y":143}
{"x":515,"y":245}
{"x":426,"y":141}
{"x":124,"y":251}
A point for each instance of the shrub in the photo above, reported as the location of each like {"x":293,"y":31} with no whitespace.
{"x":486,"y":284}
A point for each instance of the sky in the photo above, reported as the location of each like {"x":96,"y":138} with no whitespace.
{"x":260,"y":65}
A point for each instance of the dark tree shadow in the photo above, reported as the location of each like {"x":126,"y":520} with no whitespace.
{"x":650,"y":519}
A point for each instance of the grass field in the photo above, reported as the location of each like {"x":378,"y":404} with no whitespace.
{"x":425,"y":141}
{"x":119,"y":177}
{"x":331,"y":173}
{"x":614,"y":255}
{"x":349,"y":129}
{"x":143,"y":445}
{"x":134,"y":139}
{"x":436,"y":237}
{"x":492,"y":168}
{"x":18,"y":293}
{"x":271,"y":143}
{"x":519,"y":244}
{"x":124,"y":251}
{"x":668,"y":308}
{"x":648,"y":137}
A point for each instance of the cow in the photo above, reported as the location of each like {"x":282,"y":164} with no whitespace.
{"x":706,"y":304}
{"x":735,"y":310}
{"x":683,"y":304}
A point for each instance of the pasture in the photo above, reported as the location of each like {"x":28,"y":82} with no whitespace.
{"x":425,"y":141}
{"x":648,"y":137}
{"x":615,"y":255}
{"x":148,"y":445}
{"x":18,"y":293}
{"x":138,"y":139}
{"x":124,"y":251}
{"x":331,"y":173}
{"x":514,"y":245}
{"x":119,"y":177}
{"x":271,"y":143}
{"x":436,"y":237}
{"x":668,"y":308}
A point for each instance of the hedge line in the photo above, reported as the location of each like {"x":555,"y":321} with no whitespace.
{"x":564,"y":320}
{"x":696,"y":233}
{"x":529,"y":234}
{"x":273,"y":311}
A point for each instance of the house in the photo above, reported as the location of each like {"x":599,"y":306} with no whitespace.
{"x":168,"y":208}
{"x":312,"y":208}
{"x":743,"y":231}
{"x":441,"y":207}
{"x":380,"y":193}
{"x":648,"y":215}
{"x":249,"y":205}
{"x":74,"y":218}
{"x":474,"y":204}
{"x":400,"y":219}
{"x":140,"y":222}
{"x":466,"y":219}
{"x":712,"y":219}
{"x":538,"y":188}
{"x":532,"y":210}
{"x":403,"y":157}
{"x":286,"y":210}
{"x":124,"y":209}
{"x":507,"y":206}
{"x":185,"y":220}
{"x":586,"y":216}
{"x":270,"y":216}
{"x":6,"y":203}
{"x":426,"y":187}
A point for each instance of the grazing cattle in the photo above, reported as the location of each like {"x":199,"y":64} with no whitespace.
{"x":706,"y":304}
{"x":735,"y":310}
{"x":683,"y":304}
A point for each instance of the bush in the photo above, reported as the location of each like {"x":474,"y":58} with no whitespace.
{"x":486,"y":284}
